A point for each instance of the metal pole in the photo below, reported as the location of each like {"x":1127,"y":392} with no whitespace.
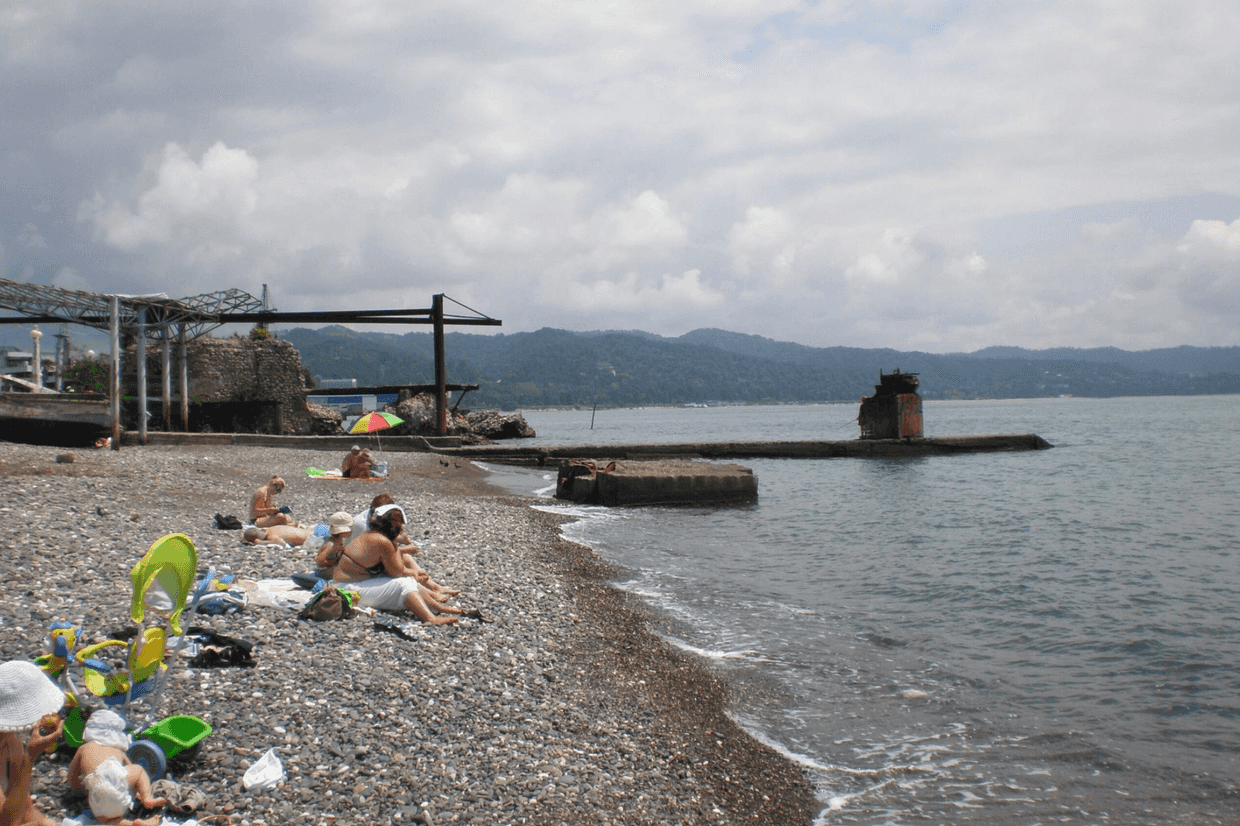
{"x":36,"y":371}
{"x":167,"y":377}
{"x":141,"y":372}
{"x":66,"y":355}
{"x":441,"y":368}
{"x":114,"y":384}
{"x":60,"y":360}
{"x":184,"y":353}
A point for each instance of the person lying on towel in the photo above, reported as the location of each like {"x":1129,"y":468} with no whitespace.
{"x":286,"y":536}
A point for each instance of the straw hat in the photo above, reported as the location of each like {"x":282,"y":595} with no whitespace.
{"x":26,"y":694}
{"x":340,"y":522}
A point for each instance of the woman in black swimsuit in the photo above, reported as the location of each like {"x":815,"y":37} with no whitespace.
{"x":378,"y":571}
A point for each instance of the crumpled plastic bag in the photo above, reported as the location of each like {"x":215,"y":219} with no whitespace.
{"x":265,"y":773}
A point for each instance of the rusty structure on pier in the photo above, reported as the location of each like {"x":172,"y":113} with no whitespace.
{"x":894,"y":411}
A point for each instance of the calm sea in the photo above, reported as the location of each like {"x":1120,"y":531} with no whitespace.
{"x":1043,"y":637}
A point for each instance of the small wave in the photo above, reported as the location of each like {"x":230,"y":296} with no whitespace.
{"x":580,"y":511}
{"x":718,"y":654}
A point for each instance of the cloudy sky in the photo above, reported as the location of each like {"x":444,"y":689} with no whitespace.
{"x":940,"y":176}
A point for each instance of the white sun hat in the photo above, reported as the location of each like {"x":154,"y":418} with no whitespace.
{"x":26,"y":694}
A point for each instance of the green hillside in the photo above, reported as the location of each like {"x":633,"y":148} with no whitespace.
{"x":625,"y":369}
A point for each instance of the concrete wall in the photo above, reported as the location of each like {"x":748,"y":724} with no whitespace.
{"x":265,"y":372}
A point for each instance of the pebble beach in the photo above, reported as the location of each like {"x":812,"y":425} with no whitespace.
{"x":565,"y":709}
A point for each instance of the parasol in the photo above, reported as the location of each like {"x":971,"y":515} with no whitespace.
{"x":370,"y":422}
{"x":373,"y":423}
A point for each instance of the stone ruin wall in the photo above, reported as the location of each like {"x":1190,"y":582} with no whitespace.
{"x":267,"y":371}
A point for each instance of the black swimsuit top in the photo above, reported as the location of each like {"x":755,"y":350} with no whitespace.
{"x":374,"y":570}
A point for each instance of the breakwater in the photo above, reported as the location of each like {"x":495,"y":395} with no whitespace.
{"x":541,"y":455}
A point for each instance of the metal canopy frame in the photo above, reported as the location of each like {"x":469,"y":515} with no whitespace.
{"x":198,"y":314}
{"x":157,"y":316}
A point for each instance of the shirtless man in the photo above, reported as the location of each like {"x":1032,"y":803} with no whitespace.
{"x":357,"y":464}
{"x":28,"y":702}
{"x":374,"y":567}
{"x":263,"y":511}
{"x":286,"y":536}
{"x":350,"y":459}
{"x":101,"y":770}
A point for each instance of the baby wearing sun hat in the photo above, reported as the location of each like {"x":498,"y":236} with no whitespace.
{"x":101,"y":769}
{"x":28,"y":702}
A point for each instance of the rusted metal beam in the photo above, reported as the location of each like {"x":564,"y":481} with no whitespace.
{"x":441,"y":368}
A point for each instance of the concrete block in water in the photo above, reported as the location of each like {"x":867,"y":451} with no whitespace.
{"x":667,"y":482}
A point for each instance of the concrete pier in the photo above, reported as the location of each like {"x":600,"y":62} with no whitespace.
{"x":852,"y":448}
{"x":657,"y":483}
{"x":540,"y":456}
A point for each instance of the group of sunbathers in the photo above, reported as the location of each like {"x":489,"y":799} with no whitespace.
{"x":371,"y":552}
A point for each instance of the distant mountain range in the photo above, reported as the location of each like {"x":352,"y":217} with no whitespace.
{"x":552,"y":367}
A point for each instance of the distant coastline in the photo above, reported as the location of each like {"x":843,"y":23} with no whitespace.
{"x":563,"y":369}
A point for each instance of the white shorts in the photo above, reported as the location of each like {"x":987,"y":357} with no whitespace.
{"x":383,"y":592}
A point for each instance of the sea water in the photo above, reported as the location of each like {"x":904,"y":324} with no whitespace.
{"x":1032,"y":637}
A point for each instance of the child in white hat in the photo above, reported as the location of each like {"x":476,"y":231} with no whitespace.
{"x":28,"y":702}
{"x":101,"y":769}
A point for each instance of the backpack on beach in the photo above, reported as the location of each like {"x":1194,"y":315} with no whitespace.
{"x":227,"y":523}
{"x":329,"y":604}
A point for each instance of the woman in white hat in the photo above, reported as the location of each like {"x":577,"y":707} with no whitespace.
{"x":28,"y":702}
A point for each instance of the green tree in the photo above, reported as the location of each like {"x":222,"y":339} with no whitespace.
{"x":87,"y":376}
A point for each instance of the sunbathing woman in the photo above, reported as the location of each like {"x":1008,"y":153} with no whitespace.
{"x":339,"y":526}
{"x":403,"y":544}
{"x":263,"y":510}
{"x":372,"y":566}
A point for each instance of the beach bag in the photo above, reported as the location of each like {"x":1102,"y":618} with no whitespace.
{"x":218,"y":651}
{"x":227,"y":523}
{"x":329,"y":604}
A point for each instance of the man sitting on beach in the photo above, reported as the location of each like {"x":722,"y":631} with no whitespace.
{"x":357,"y":464}
{"x":374,"y":567}
{"x":263,"y":511}
{"x":286,"y":536}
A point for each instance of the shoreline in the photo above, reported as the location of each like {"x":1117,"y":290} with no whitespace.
{"x":566,"y":709}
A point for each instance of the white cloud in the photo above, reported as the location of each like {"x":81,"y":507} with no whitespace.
{"x":895,"y":260}
{"x":29,"y":237}
{"x":665,"y":296}
{"x":69,"y":279}
{"x":867,"y":173}
{"x":187,"y":197}
{"x":1206,"y":280}
{"x":764,"y":243}
{"x":1212,"y":239}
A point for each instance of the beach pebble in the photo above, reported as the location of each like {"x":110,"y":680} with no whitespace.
{"x":539,"y":716}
